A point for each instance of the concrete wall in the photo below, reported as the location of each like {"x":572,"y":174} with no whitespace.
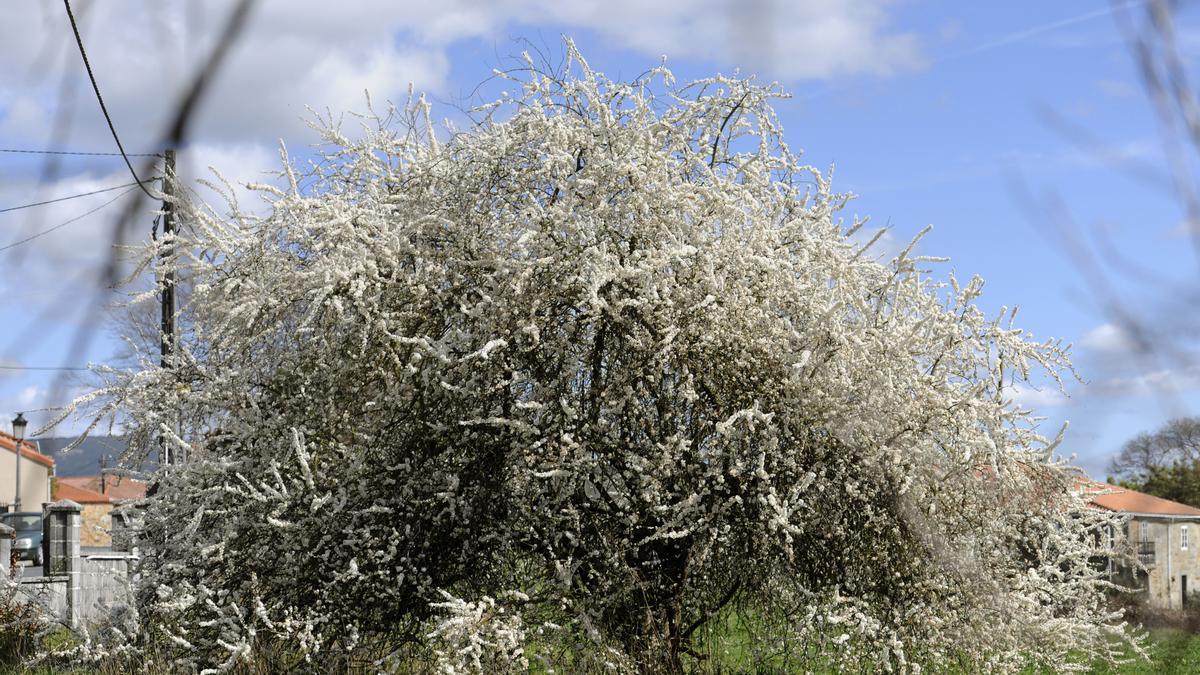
{"x":103,"y":589}
{"x":48,"y":592}
{"x":35,"y":481}
{"x":1171,"y":562}
{"x":104,"y":585}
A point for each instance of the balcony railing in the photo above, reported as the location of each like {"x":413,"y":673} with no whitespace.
{"x":1145,"y":552}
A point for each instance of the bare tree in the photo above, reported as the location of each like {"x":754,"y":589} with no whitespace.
{"x":1177,"y":442}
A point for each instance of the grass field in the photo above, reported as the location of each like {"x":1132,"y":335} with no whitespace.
{"x":1172,"y":651}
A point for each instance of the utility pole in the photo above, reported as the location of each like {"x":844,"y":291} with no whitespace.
{"x":166,"y":259}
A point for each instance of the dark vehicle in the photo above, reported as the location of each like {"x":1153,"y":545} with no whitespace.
{"x":28,"y":524}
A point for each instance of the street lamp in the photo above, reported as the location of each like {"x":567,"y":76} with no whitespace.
{"x":18,"y":427}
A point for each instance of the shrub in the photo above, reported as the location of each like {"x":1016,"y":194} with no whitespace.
{"x":22,"y":624}
{"x":612,"y":347}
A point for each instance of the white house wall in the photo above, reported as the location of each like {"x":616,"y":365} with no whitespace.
{"x":35,"y":481}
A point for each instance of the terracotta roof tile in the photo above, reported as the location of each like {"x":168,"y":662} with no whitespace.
{"x":116,"y":487}
{"x":28,"y":451}
{"x":77,"y":494}
{"x":1116,"y":498}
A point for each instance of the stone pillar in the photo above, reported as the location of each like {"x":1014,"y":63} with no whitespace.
{"x":127,"y":521}
{"x":6,"y":542}
{"x":61,"y":523}
{"x":119,"y":530}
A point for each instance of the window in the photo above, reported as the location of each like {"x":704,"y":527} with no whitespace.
{"x":1144,"y":533}
{"x":22,"y":522}
{"x":1183,"y":538}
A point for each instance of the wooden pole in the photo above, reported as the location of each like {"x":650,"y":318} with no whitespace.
{"x":168,"y":278}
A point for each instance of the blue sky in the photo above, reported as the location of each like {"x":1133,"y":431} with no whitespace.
{"x":966,"y":116}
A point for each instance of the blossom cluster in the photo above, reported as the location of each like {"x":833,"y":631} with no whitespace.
{"x":613,"y":346}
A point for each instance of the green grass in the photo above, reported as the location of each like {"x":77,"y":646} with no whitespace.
{"x":732,"y":648}
{"x":1171,"y":651}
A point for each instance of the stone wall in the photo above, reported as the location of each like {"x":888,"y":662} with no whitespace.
{"x":1175,"y":563}
{"x":97,"y":523}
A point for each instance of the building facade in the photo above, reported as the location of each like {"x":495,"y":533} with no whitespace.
{"x":36,"y":471}
{"x":98,"y":495}
{"x":1166,"y":538}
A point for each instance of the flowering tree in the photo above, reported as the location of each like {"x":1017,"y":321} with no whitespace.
{"x":611,"y":354}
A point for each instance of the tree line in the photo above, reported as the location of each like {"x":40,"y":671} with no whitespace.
{"x":1164,"y":463}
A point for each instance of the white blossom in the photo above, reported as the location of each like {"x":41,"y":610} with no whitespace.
{"x":613,"y":346}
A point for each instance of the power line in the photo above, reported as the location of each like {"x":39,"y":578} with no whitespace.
{"x":76,"y":153}
{"x":65,"y":223}
{"x":63,"y":199}
{"x":100,"y":99}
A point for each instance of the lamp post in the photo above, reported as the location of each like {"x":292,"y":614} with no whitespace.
{"x":18,"y":427}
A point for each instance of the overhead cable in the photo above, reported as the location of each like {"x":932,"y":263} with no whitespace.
{"x":100,"y":99}
{"x":68,"y":197}
{"x":76,"y":153}
{"x":63,"y":224}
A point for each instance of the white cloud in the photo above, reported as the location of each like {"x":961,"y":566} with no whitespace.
{"x":778,"y":38}
{"x":77,"y":243}
{"x":885,"y":248}
{"x":291,"y":55}
{"x":1110,"y":339}
{"x":1135,"y":152}
{"x":53,"y":285}
{"x":34,"y":401}
{"x":29,"y":397}
{"x":322,"y":54}
{"x":1036,"y":398}
{"x":1160,"y":382}
{"x":343,"y":78}
{"x":236,"y":163}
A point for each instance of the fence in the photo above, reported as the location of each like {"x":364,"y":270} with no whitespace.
{"x":104,"y":583}
{"x":74,"y":587}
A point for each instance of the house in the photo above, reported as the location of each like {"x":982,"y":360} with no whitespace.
{"x":1166,"y":537}
{"x":36,"y":470}
{"x":117,"y":488}
{"x":98,"y":495}
{"x":96,"y":515}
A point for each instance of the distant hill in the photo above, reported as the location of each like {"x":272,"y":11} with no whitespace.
{"x":85,"y":459}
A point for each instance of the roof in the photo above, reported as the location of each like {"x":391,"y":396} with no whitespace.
{"x":77,"y":494}
{"x":28,"y":450}
{"x":1124,"y":500}
{"x":115,"y":487}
